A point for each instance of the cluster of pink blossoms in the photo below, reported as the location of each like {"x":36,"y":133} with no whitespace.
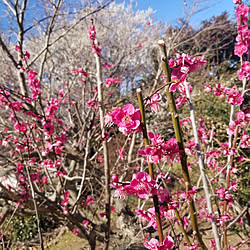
{"x":243,"y":38}
{"x":233,"y":96}
{"x":183,"y":66}
{"x":34,"y":84}
{"x":160,"y":149}
{"x":154,"y":244}
{"x":127,"y":118}
{"x":110,"y":81}
{"x":141,"y":185}
{"x":92,"y":36}
{"x":242,"y":120}
{"x":32,"y":81}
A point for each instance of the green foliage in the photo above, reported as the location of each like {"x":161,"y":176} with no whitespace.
{"x":25,"y":228}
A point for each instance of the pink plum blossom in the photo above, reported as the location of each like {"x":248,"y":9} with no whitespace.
{"x":207,"y":87}
{"x":241,"y":14}
{"x":142,"y":185}
{"x":244,"y":71}
{"x":245,"y":141}
{"x":66,"y":198}
{"x":110,"y":81}
{"x":154,"y":244}
{"x":20,"y":127}
{"x":85,"y":223}
{"x":153,"y":102}
{"x":148,"y":215}
{"x":115,"y":178}
{"x":92,"y":103}
{"x":219,"y":91}
{"x":160,"y":149}
{"x":193,"y":247}
{"x":236,"y":1}
{"x":127,"y":118}
{"x":75,"y":231}
{"x":240,"y":49}
{"x":182,"y":67}
{"x":234,"y":97}
{"x":89,"y":200}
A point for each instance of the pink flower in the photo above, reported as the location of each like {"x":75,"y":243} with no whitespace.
{"x":61,"y":93}
{"x":186,"y":65}
{"x":207,"y":87}
{"x":18,"y":48}
{"x":21,"y":127}
{"x":240,"y":49}
{"x":156,"y":151}
{"x":212,"y":244}
{"x":85,"y":223}
{"x":110,"y":81}
{"x":245,"y":142}
{"x":193,"y":247}
{"x":236,"y":1}
{"x":227,"y":150}
{"x":233,"y":186}
{"x":241,"y":14}
{"x":160,"y":149}
{"x":65,"y":211}
{"x":219,"y":91}
{"x":224,"y":194}
{"x":99,"y":159}
{"x":115,"y":178}
{"x":120,"y":192}
{"x":66,"y":198}
{"x":153,"y":102}
{"x":96,"y":49}
{"x":127,"y":118}
{"x":44,"y":180}
{"x":164,"y":195}
{"x":112,"y":208}
{"x":102,"y":214}
{"x":243,"y":35}
{"x":242,"y":10}
{"x":89,"y":200}
{"x":142,"y":185}
{"x":48,"y":128}
{"x":91,"y":103}
{"x":82,"y":72}
{"x":154,"y":244}
{"x":190,"y":193}
{"x":92,"y":32}
{"x":223,"y":219}
{"x":19,"y":167}
{"x":244,"y":71}
{"x":234,"y":97}
{"x":75,"y":231}
{"x":106,"y":65}
{"x":171,"y":63}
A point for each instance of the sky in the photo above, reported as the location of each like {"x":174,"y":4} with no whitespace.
{"x":170,"y":10}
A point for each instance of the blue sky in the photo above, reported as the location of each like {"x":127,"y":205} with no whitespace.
{"x":170,"y":10}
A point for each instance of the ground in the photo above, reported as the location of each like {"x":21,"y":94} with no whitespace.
{"x":71,"y":242}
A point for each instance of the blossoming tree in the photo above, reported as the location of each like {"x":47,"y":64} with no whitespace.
{"x":60,"y":152}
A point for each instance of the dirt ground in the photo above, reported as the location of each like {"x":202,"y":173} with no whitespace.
{"x":71,"y":242}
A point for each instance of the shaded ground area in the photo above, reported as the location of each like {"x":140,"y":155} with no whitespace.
{"x":71,"y":242}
